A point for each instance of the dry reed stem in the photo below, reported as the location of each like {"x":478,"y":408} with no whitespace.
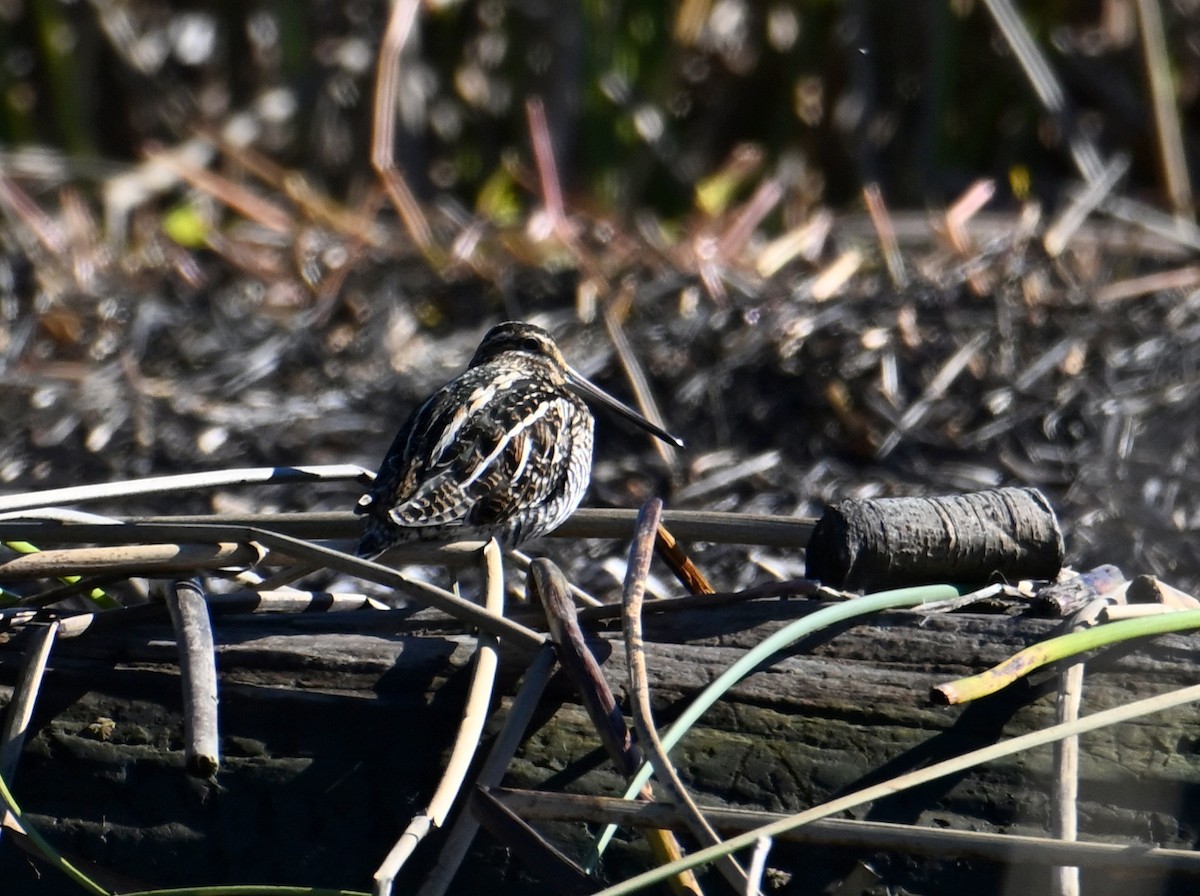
{"x":504,"y":747}
{"x":19,"y":711}
{"x":151,"y":559}
{"x":470,"y":731}
{"x":859,"y":834}
{"x":1166,"y":107}
{"x":884,"y":229}
{"x":401,"y":24}
{"x":681,"y":564}
{"x":640,"y":554}
{"x":198,"y":677}
{"x":636,"y":376}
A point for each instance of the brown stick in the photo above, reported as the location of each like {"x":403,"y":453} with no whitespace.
{"x":640,"y":554}
{"x":198,"y":674}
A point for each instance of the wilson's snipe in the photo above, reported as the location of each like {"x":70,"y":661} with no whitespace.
{"x":503,"y":450}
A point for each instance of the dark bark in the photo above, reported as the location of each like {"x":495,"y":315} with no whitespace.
{"x":333,"y":730}
{"x":1005,"y":533}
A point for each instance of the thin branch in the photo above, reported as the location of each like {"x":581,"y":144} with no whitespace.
{"x":857,"y":834}
{"x":1059,"y":233}
{"x":198,"y":675}
{"x":640,"y":554}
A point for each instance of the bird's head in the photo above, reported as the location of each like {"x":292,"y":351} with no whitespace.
{"x":517,"y":336}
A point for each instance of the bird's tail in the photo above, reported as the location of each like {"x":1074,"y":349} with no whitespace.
{"x":375,"y":540}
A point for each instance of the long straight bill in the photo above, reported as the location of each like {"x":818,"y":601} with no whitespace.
{"x":593,"y":393}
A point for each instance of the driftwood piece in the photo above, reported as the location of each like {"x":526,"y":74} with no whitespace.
{"x":1010,"y":533}
{"x":313,"y":789}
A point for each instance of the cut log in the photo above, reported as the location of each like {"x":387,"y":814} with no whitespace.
{"x":333,"y":729}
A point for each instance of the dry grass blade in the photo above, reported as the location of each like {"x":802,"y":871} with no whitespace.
{"x":1180,"y":278}
{"x":857,"y":834}
{"x":230,"y":193}
{"x":547,"y":863}
{"x":637,"y":380}
{"x":520,"y":714}
{"x":20,"y":707}
{"x":470,"y":731}
{"x":1059,"y":234}
{"x":640,"y":554}
{"x":187,"y":481}
{"x":1158,"y":224}
{"x":748,"y":217}
{"x":880,"y":217}
{"x":680,"y":563}
{"x":522,"y":561}
{"x":387,"y":89}
{"x":20,"y":208}
{"x":1044,"y":82}
{"x":198,"y":675}
{"x":543,"y":154}
{"x":949,"y":371}
{"x":1166,"y":108}
{"x":834,"y":277}
{"x":464,"y":610}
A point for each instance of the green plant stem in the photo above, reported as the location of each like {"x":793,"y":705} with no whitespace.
{"x":753,"y":658}
{"x":904,"y":782}
{"x":1052,"y":650}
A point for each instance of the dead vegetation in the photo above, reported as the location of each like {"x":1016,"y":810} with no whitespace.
{"x":210,"y":306}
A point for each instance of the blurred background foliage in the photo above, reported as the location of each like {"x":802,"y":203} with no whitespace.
{"x":645,"y":100}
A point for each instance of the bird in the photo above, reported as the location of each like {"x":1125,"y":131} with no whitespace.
{"x":502,"y":451}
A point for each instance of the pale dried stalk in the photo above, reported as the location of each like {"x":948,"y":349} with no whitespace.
{"x":470,"y":732}
{"x":1166,"y":109}
{"x":198,"y":676}
{"x":854,"y":833}
{"x":129,"y":559}
{"x":383,"y":141}
{"x":20,"y":707}
{"x":520,"y":714}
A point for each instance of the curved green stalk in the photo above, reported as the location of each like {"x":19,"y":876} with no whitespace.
{"x":911,"y":779}
{"x":749,"y":661}
{"x":1052,"y":650}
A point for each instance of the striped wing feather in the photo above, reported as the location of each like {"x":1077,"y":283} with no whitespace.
{"x":470,"y":457}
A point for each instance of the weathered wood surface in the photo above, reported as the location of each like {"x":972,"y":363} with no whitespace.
{"x":333,"y":729}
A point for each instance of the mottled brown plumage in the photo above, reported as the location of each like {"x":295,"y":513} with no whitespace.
{"x":504,"y":450}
